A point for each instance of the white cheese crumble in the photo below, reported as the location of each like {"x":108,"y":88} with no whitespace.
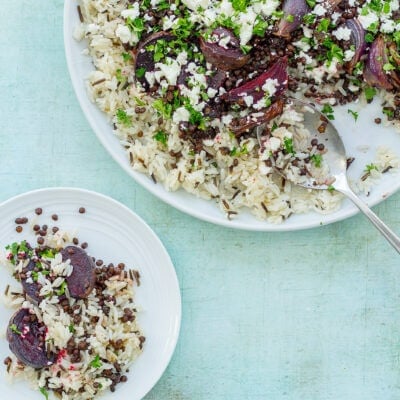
{"x":342,"y":33}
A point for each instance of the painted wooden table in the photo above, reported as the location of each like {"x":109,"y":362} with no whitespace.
{"x":312,"y":315}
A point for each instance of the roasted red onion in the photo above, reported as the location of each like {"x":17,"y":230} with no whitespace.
{"x":226,"y":57}
{"x":357,"y":38}
{"x":293,"y":13}
{"x":253,"y":88}
{"x":374,"y":74}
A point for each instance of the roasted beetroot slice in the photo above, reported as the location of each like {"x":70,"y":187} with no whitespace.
{"x":31,"y":289}
{"x":224,"y":58}
{"x":277,"y":71}
{"x":26,"y":338}
{"x":245,"y":124}
{"x":81,"y":281}
{"x":144,"y":58}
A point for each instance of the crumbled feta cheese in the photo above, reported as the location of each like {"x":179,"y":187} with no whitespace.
{"x":348,"y":55}
{"x":248,"y":100}
{"x":319,"y":10}
{"x":170,"y":70}
{"x":387,"y":26}
{"x":342,"y":33}
{"x":211,"y":93}
{"x":269,"y":86}
{"x":132,"y":12}
{"x":124,"y":33}
{"x":180,"y":114}
{"x":367,"y":20}
{"x":246,"y":23}
{"x":168,"y":22}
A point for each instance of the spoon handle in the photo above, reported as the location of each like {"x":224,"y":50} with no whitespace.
{"x":390,"y":236}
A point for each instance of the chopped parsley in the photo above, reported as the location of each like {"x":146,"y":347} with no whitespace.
{"x":316,"y":159}
{"x":353,"y":113}
{"x":369,"y":93}
{"x":71,"y":328}
{"x":328,"y":111}
{"x":331,"y":188}
{"x":44,"y":392}
{"x":260,"y":27}
{"x":15,"y":330}
{"x":136,"y":25}
{"x":61,"y":290}
{"x":126,"y":56}
{"x":18,"y":248}
{"x":311,"y":3}
{"x":123,"y":118}
{"x":370,"y":167}
{"x":164,"y":109}
{"x":323,"y":25}
{"x":161,"y":137}
{"x":140,"y":72}
{"x":288,"y":145}
{"x":240,"y":5}
{"x":96,"y":362}
{"x":48,"y":253}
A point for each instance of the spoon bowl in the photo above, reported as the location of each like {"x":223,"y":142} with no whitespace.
{"x":335,"y":157}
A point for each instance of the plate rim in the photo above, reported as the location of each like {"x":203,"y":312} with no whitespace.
{"x":172,"y":272}
{"x":259,"y":226}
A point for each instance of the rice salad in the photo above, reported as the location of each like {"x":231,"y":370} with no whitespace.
{"x":74,"y":331}
{"x":186,"y":83}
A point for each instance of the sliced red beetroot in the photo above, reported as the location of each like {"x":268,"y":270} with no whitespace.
{"x":254,"y":88}
{"x":216,"y":80}
{"x":226,"y":57}
{"x":81,"y":281}
{"x":144,"y":59}
{"x":31,"y":289}
{"x":246,"y":124}
{"x":26,"y":337}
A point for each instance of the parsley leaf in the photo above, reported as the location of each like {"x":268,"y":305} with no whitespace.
{"x":328,"y":111}
{"x":44,"y":392}
{"x":288,"y":145}
{"x":123,"y":118}
{"x":316,"y":159}
{"x":15,"y":329}
{"x":161,"y":137}
{"x":96,"y":362}
{"x":353,"y":113}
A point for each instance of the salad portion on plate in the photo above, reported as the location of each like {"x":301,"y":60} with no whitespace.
{"x":186,"y":83}
{"x":93,"y":297}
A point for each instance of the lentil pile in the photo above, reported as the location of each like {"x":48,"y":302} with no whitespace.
{"x":187,"y":82}
{"x":74,"y":331}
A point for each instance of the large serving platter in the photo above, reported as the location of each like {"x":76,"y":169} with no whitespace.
{"x":361,"y":138}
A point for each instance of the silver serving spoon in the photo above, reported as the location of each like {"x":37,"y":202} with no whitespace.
{"x":336,"y":159}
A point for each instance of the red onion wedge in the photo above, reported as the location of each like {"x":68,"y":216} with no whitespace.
{"x":357,"y":38}
{"x":226,"y":56}
{"x":253,"y":88}
{"x":293,"y":13}
{"x":374,"y":74}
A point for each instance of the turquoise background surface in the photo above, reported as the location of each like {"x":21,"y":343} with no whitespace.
{"x":311,"y":315}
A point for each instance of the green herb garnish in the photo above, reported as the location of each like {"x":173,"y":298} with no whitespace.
{"x":328,"y":111}
{"x":288,"y":145}
{"x":353,"y":113}
{"x":71,"y":328}
{"x":44,"y":392}
{"x":161,"y":137}
{"x":123,"y":118}
{"x":316,"y":159}
{"x":15,"y":330}
{"x":61,"y":290}
{"x":96,"y":362}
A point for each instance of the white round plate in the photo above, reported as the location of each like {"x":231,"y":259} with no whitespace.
{"x":114,"y":234}
{"x":361,"y":139}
